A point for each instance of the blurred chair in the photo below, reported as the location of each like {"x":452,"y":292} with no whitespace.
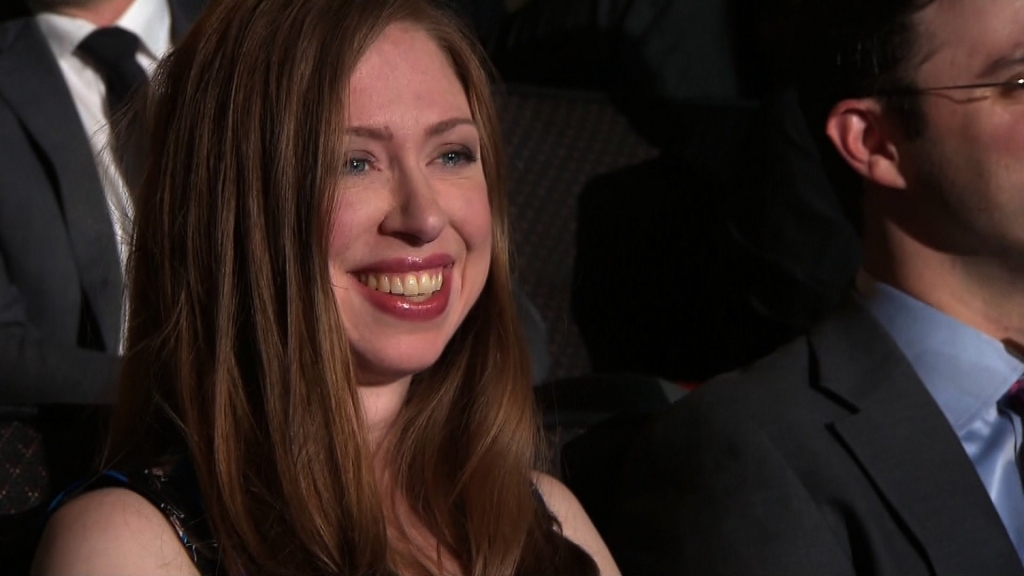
{"x":24,"y":483}
{"x":730,"y":243}
{"x":556,"y":140}
{"x":593,"y":422}
{"x":23,"y":476}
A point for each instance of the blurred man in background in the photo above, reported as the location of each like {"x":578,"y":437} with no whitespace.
{"x":885,"y":440}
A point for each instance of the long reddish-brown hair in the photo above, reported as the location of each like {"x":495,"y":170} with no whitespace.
{"x":235,"y":352}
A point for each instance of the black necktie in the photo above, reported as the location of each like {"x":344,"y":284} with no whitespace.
{"x":112,"y":52}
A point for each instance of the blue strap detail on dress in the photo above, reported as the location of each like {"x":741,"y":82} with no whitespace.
{"x":154,"y":484}
{"x":79,"y":485}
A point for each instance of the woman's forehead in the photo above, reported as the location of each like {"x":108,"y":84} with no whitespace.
{"x":405,"y":72}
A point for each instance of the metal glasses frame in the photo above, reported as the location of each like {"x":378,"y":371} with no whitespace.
{"x":1017,"y":84}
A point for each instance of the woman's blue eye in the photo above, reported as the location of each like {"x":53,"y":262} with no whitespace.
{"x":454,"y":158}
{"x":356,"y":165}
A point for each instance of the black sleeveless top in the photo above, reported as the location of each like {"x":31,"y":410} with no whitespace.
{"x":172,"y":487}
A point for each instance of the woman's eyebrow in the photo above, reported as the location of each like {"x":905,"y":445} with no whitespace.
{"x":383,"y":133}
{"x":443,"y":126}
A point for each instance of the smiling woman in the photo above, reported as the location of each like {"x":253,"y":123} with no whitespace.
{"x":412,"y":210}
{"x":324,"y":374}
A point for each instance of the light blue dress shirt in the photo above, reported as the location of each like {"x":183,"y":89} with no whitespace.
{"x":968,"y":373}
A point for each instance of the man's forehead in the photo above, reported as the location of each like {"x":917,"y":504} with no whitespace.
{"x":969,"y":37}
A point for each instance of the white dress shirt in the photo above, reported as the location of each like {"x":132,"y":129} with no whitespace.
{"x":150,"y":20}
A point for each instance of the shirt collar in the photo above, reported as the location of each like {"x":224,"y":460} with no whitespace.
{"x":150,"y":20}
{"x":965,"y":370}
{"x":63,"y":33}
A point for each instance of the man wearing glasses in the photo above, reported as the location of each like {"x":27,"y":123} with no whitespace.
{"x":885,"y":441}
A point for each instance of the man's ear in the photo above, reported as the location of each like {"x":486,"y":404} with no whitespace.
{"x":858,"y":131}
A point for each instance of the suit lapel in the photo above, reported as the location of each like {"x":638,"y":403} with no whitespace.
{"x":32,"y":84}
{"x":905,"y":445}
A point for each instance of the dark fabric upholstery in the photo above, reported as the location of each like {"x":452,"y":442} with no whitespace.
{"x":24,"y":487}
{"x":592,"y":422}
{"x":23,"y":477}
{"x":736,"y":233}
{"x":555,"y":142}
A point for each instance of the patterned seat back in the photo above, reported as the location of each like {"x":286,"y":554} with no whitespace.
{"x":557,"y":140}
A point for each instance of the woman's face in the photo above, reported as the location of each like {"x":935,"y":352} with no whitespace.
{"x":410,"y":246}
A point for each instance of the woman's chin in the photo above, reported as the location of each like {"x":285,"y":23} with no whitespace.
{"x":383,"y":372}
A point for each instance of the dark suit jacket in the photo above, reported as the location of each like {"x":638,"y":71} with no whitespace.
{"x":60,"y":279}
{"x":827,"y":457}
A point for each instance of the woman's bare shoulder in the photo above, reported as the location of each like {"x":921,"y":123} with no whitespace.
{"x":111,"y":531}
{"x":576,"y":525}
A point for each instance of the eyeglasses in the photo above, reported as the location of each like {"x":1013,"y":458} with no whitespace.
{"x":1010,"y":90}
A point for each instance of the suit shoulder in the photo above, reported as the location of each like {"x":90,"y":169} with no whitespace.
{"x":775,"y":378}
{"x":777,"y":395}
{"x":10,"y":29}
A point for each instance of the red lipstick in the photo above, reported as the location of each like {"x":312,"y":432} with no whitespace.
{"x":404,"y":307}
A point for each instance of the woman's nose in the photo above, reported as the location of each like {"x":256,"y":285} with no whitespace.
{"x":416,"y":217}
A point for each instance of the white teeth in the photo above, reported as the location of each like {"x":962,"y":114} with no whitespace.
{"x":414,"y":284}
